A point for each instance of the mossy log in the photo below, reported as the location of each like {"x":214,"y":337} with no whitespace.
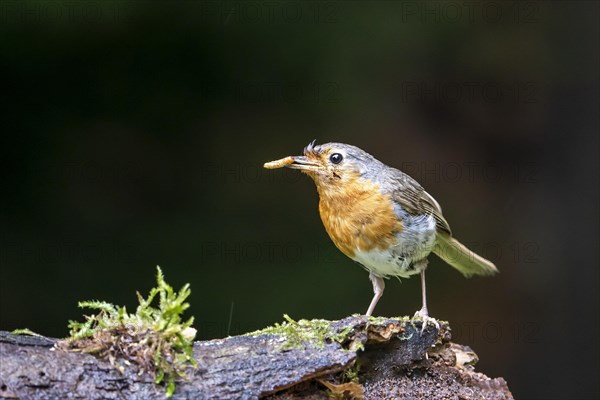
{"x":377,"y":359}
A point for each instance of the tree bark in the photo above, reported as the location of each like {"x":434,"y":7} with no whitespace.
{"x":396,"y":361}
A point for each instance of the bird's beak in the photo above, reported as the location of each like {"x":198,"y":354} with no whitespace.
{"x":303,"y":163}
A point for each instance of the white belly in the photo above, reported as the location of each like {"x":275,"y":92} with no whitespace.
{"x":415,"y":243}
{"x":383,"y":263}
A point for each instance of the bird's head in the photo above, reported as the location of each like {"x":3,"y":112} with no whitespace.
{"x":331,"y":165}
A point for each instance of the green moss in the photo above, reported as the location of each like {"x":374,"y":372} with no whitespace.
{"x":154,"y":337}
{"x":25,"y":331}
{"x":298,"y":334}
{"x":351,"y":374}
{"x":381,"y":320}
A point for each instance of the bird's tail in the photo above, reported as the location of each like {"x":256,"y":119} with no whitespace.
{"x":460,"y":257}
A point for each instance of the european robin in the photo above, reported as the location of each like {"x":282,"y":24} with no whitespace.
{"x":381,"y":217}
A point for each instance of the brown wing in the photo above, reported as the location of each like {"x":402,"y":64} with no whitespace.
{"x":415,"y":200}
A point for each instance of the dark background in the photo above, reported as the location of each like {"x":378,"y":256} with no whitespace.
{"x":134,"y":135}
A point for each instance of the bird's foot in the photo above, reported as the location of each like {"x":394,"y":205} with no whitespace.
{"x":424,"y":315}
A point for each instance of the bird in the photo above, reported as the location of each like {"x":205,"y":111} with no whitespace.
{"x":381,"y":218}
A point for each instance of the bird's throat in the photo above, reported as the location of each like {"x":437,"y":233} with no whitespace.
{"x":358,"y":216}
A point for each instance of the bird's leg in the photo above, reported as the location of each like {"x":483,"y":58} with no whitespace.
{"x":423,"y":313}
{"x":378,"y":286}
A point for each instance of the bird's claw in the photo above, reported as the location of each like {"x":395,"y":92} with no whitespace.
{"x":424,"y":316}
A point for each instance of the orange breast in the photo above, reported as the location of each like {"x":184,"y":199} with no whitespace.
{"x":358,"y":216}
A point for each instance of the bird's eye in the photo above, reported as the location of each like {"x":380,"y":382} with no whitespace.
{"x":336,"y":158}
